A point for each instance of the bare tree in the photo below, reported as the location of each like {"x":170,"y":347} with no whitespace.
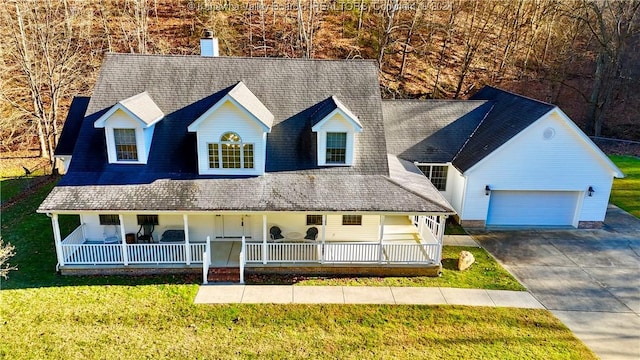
{"x":6,"y":252}
{"x":613,"y":24}
{"x":44,"y":54}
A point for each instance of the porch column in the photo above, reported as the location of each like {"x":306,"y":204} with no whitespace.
{"x":57,"y":238}
{"x":380,"y":249}
{"x":123,"y":236}
{"x":421,"y":222}
{"x":264,"y":238}
{"x":187,"y":247}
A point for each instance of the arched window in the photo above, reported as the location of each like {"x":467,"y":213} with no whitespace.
{"x":230,"y":153}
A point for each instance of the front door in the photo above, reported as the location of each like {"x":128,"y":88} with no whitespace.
{"x":232,"y":226}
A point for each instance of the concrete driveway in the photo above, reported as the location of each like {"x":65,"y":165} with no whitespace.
{"x":589,"y":279}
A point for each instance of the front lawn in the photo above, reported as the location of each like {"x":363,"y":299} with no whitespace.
{"x":161,"y":322}
{"x":47,"y":316}
{"x":626,"y":192}
{"x":485,"y":273}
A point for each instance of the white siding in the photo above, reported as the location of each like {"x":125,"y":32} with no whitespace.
{"x":529,"y":162}
{"x":368,"y":231}
{"x":229,"y":118}
{"x":201,"y":226}
{"x":455,"y":189}
{"x":120,"y":120}
{"x":337,"y":123}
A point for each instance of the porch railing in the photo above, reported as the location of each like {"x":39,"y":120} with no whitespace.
{"x":75,"y":251}
{"x":341,"y":253}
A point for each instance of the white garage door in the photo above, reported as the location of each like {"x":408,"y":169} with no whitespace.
{"x":532,"y":207}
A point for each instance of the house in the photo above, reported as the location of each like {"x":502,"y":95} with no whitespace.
{"x":502,"y":159}
{"x":181,"y":163}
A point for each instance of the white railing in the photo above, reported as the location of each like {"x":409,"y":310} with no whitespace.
{"x":410,"y":253}
{"x":253,"y":252}
{"x":156,"y":253}
{"x":76,"y":236}
{"x":352,"y":252}
{"x":197,"y":250}
{"x":92,"y":253}
{"x":206,"y":261}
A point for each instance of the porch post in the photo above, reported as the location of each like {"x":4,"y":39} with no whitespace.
{"x":264,"y":238}
{"x":57,"y":238}
{"x":324,"y":237}
{"x":187,"y":247}
{"x":380,"y":249}
{"x":125,"y":253}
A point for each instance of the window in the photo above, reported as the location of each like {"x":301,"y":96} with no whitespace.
{"x":314,"y":219}
{"x":351,"y":219}
{"x":230,"y":153}
{"x":148,"y":220}
{"x":126,"y":147}
{"x":336,"y":148}
{"x":109,"y":219}
{"x":437,"y":174}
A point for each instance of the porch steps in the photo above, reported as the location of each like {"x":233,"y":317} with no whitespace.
{"x":224,"y":275}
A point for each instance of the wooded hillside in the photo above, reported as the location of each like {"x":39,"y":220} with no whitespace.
{"x":582,"y":55}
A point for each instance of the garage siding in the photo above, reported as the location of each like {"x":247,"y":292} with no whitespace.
{"x":531,"y":162}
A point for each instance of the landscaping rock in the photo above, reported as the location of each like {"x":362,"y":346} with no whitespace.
{"x":465,"y":259}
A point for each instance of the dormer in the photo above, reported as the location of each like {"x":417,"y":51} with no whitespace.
{"x":232,"y":134}
{"x":128,"y":129}
{"x":336,"y":127}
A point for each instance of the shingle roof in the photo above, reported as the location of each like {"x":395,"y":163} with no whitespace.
{"x":72,"y":125}
{"x":251,"y":103}
{"x":430,"y":130}
{"x":184,"y":87}
{"x":271,"y":192}
{"x":329,"y":105}
{"x":143,"y":107}
{"x":511,"y":113}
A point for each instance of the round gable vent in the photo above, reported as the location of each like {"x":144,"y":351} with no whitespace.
{"x":549,"y":133}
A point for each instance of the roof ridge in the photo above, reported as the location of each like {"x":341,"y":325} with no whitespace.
{"x":518,"y":95}
{"x":493,"y":104}
{"x":243,"y":57}
{"x":434,"y":100}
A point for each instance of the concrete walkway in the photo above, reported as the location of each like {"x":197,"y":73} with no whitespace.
{"x":289,"y":294}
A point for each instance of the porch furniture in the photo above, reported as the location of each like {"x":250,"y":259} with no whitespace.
{"x":145,"y":233}
{"x":172,"y":236}
{"x":294,"y":236}
{"x":111,"y":234}
{"x":312,"y":233}
{"x":130,"y":238}
{"x":275,"y":233}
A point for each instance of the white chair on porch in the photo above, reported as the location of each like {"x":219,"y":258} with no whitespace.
{"x":111,"y":234}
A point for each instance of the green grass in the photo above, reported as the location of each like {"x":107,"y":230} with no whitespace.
{"x":161,"y":322}
{"x":47,"y":316}
{"x":626,"y":192}
{"x":485,"y":273}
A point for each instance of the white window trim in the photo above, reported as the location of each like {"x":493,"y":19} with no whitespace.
{"x":322,"y":148}
{"x":111,"y":146}
{"x":219,"y":151}
{"x":431,"y":165}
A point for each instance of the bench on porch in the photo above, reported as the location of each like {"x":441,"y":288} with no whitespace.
{"x":172,"y":236}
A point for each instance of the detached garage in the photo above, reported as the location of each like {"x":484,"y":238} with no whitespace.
{"x":537,"y":208}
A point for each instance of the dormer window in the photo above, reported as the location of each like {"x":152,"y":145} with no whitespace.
{"x":126,"y":146}
{"x":336,"y":147}
{"x":232,"y":134}
{"x":128,"y":129}
{"x":336,"y":128}
{"x":230,"y":153}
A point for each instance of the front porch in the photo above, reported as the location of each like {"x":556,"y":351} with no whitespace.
{"x":400,"y":241}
